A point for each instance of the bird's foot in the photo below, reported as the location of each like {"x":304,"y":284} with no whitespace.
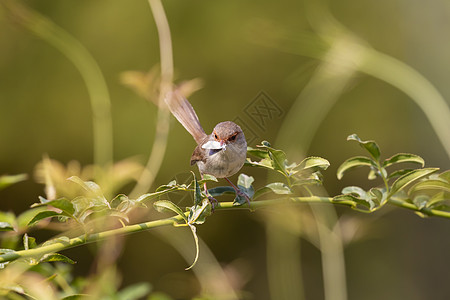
{"x":239,"y":192}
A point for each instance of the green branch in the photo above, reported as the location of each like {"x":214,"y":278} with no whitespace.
{"x":85,"y":239}
{"x":426,"y":211}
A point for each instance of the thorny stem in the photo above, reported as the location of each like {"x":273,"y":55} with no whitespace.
{"x":85,"y":239}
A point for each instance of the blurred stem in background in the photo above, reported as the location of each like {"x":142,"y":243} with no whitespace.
{"x":343,"y":55}
{"x":162,"y":122}
{"x":339,"y":46}
{"x":416,"y":86}
{"x":86,"y":65}
{"x":284,"y":273}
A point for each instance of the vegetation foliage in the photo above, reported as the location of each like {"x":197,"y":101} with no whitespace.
{"x":83,"y":206}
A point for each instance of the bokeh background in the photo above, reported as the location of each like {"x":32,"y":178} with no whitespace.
{"x":307,"y":61}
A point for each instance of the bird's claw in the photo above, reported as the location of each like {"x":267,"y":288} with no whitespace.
{"x":213,"y":202}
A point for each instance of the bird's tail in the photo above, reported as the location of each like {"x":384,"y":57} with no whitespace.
{"x":185,"y":114}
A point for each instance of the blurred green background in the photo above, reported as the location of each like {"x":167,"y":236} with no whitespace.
{"x":306,"y":65}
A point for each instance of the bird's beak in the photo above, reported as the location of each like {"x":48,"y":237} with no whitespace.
{"x":223,"y":144}
{"x":215,"y":145}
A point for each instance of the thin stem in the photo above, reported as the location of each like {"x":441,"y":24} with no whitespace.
{"x":385,"y":181}
{"x":415,"y":85}
{"x":86,"y":65}
{"x":162,"y":126}
{"x":426,"y":211}
{"x":332,"y":251}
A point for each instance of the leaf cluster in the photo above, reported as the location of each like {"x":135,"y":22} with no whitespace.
{"x":420,"y":186}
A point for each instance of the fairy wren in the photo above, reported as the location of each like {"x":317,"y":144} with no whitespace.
{"x":222,"y":153}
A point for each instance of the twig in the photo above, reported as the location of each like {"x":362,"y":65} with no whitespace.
{"x":85,"y":239}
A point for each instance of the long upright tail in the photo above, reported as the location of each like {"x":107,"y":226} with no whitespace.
{"x":185,"y":114}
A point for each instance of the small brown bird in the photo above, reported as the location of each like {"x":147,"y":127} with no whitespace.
{"x":222,"y":153}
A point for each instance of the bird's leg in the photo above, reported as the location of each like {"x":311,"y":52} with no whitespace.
{"x":238,"y":191}
{"x":212,"y":200}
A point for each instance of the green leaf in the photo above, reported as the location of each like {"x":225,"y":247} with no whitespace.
{"x":24,"y":218}
{"x":260,"y":153}
{"x":4,"y":251}
{"x":63,"y":204}
{"x":117,"y":200}
{"x":7,"y":221}
{"x":43,"y":215}
{"x":421,"y":201}
{"x":197,"y":248}
{"x":206,"y":178}
{"x":314,"y":162}
{"x":165,"y":205}
{"x":370,"y":146}
{"x":408,"y":178}
{"x":278,"y":158}
{"x":51,"y":257}
{"x":279,"y":188}
{"x":161,"y":190}
{"x":245,"y":181}
{"x":118,"y":214}
{"x":373,"y":173}
{"x":445,"y":175}
{"x":135,"y":291}
{"x":314,"y":179}
{"x":403,"y":158}
{"x":354,"y":162}
{"x":128,"y":205}
{"x":89,"y":186}
{"x":93,"y":190}
{"x":379,"y":196}
{"x":356,"y":190}
{"x":399,"y":173}
{"x":221,"y":190}
{"x":16,"y":289}
{"x":265,"y":163}
{"x":5,"y":226}
{"x":353,"y":201}
{"x":64,"y":240}
{"x":42,"y":200}
{"x":372,"y":198}
{"x":437,"y":200}
{"x":7,"y":180}
{"x":198,"y":213}
{"x":431,"y":185}
{"x":245,"y":185}
{"x":264,"y":144}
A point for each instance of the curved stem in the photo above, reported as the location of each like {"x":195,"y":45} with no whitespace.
{"x":86,"y":65}
{"x":162,"y":125}
{"x":415,"y":85}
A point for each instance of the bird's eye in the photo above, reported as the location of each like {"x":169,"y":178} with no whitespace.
{"x":232,"y":138}
{"x":215,"y":136}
